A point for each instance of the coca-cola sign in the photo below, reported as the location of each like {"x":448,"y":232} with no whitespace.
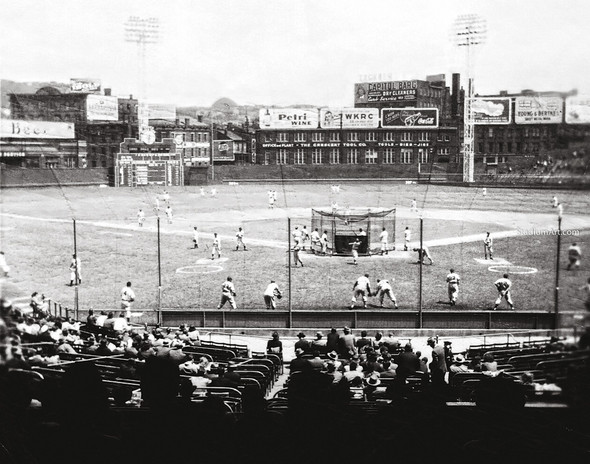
{"x":409,"y":118}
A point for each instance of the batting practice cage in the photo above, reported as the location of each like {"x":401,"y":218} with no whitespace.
{"x":344,"y":226}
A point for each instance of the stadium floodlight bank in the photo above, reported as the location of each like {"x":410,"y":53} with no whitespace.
{"x":343,"y":226}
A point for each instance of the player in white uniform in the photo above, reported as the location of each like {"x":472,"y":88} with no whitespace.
{"x":297,"y":235}
{"x":324,"y":242}
{"x":304,"y":237}
{"x":166,"y":197}
{"x":3,"y":266}
{"x":240,"y":239}
{"x":453,"y":287}
{"x":216,"y":247}
{"x":271,"y":199}
{"x":315,"y":240}
{"x":202,"y":190}
{"x":413,"y":206}
{"x":488,"y":245}
{"x":384,"y":289}
{"x":355,"y":250}
{"x":407,"y":238}
{"x":423,"y":253}
{"x":157,"y":202}
{"x":213,"y":192}
{"x":574,"y":253}
{"x":271,"y":294}
{"x":384,"y":239}
{"x":127,"y":297}
{"x":554,"y":202}
{"x":195,"y":237}
{"x":361,"y":288}
{"x":503,"y":286}
{"x":296,"y":249}
{"x":75,"y":270}
{"x":140,"y":218}
{"x":484,"y":191}
{"x":169,"y":214}
{"x":228,"y":292}
{"x":559,"y":210}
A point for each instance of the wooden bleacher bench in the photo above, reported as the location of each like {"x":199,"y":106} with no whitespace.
{"x":479,"y":350}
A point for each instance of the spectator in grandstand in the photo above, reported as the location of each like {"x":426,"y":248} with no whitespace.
{"x":302,"y":343}
{"x":347,"y":347}
{"x":363,"y":342}
{"x":475,"y":364}
{"x":489,"y":364}
{"x":120,"y":323}
{"x":275,"y":345}
{"x":422,"y":254}
{"x":353,"y":371}
{"x":574,"y":254}
{"x":438,"y":366}
{"x":407,"y":238}
{"x":384,"y":289}
{"x":333,"y":340}
{"x":389,"y":370}
{"x":448,"y":349}
{"x":4,"y":266}
{"x":332,"y":372}
{"x":361,"y":288}
{"x":271,"y":294}
{"x":407,"y":362}
{"x":296,"y":249}
{"x":316,"y":363}
{"x":109,"y":323}
{"x":101,"y":318}
{"x":586,"y":290}
{"x":299,"y":363}
{"x":503,"y":285}
{"x":370,"y":388}
{"x":228,"y":293}
{"x":319,"y":344}
{"x":458,"y":365}
{"x":127,"y":297}
{"x":39,"y":305}
{"x":391,"y":342}
{"x":423,"y":363}
{"x":371,"y":364}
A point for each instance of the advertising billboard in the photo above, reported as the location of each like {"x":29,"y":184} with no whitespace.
{"x":288,"y":118}
{"x":36,"y":129}
{"x":102,"y":108}
{"x":577,"y":109}
{"x":409,"y":118}
{"x":161,"y":111}
{"x":393,"y":91}
{"x":538,"y":110}
{"x":491,"y":110}
{"x":85,"y":85}
{"x":223,"y":150}
{"x":349,"y":118}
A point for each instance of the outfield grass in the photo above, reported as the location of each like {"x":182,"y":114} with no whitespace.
{"x":114,"y":250}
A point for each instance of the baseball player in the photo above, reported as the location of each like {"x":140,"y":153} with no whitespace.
{"x":3,"y":265}
{"x":304,"y":237}
{"x":554,"y":202}
{"x":297,"y":235}
{"x":407,"y":238}
{"x":384,"y":238}
{"x":166,"y":197}
{"x":315,"y":240}
{"x":484,"y":191}
{"x":213,"y":192}
{"x":271,"y":199}
{"x":228,"y":292}
{"x":271,"y":294}
{"x":140,"y":218}
{"x":574,"y":253}
{"x":488,"y":244}
{"x":169,"y":214}
{"x":453,"y":287}
{"x":157,"y":202}
{"x":586,"y":290}
{"x":127,"y":297}
{"x":423,"y":253}
{"x":355,"y":249}
{"x":362,"y":288}
{"x":240,"y":239}
{"x":559,"y":210}
{"x":503,"y":285}
{"x":75,"y":268}
{"x":413,"y":206}
{"x":195,"y":237}
{"x":384,"y":289}
{"x":216,"y":247}
{"x":296,"y":249}
{"x":202,"y":190}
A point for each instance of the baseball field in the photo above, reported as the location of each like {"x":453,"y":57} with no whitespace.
{"x":37,"y":237}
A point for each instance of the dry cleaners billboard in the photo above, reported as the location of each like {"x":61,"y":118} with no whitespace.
{"x":349,"y":118}
{"x":409,"y":118}
{"x":288,"y":118}
{"x":538,"y":110}
{"x":392,"y":91}
{"x":491,"y":110}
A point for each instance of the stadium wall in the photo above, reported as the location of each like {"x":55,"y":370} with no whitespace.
{"x":33,"y":177}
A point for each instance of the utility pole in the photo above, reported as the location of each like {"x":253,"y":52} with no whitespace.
{"x":289,"y":270}
{"x":421,"y":258}
{"x":556,"y":294}
{"x":159,"y":316}
{"x":76,"y":300}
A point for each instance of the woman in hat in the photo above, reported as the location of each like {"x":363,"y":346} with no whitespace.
{"x":274,"y":345}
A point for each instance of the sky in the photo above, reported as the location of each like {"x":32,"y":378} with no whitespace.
{"x":281,"y":52}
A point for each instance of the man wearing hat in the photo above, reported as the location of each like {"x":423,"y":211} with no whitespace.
{"x":453,"y":287}
{"x":272,"y":293}
{"x":319,"y":344}
{"x":438,"y":366}
{"x":299,"y":363}
{"x":302,"y":343}
{"x":347,"y":345}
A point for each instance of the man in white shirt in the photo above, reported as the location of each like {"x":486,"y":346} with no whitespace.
{"x":240,"y":239}
{"x":272,"y":293}
{"x":315,"y":240}
{"x":384,"y":289}
{"x":361,"y":288}
{"x":503,"y":285}
{"x":228,"y":292}
{"x":216,"y":247}
{"x":195,"y":237}
{"x":127,"y":297}
{"x":324,"y":242}
{"x":574,"y":253}
{"x":407,"y":238}
{"x":75,"y":270}
{"x":384,"y":239}
{"x":140,"y":218}
{"x":453,"y":287}
{"x":169,"y":214}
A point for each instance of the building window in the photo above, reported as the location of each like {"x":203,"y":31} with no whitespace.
{"x":282,"y":156}
{"x":317,"y":137}
{"x":406,"y":136}
{"x":316,"y":156}
{"x":447,"y":138}
{"x":480,"y":147}
{"x":500,"y":147}
{"x":490,"y":131}
{"x":300,"y":137}
{"x":299,"y":156}
{"x":192,"y":136}
{"x":389,"y":136}
{"x":268,"y":137}
{"x":334,"y":136}
{"x":334,"y":156}
{"x":267,"y":157}
{"x":423,"y":155}
{"x":443,"y":151}
{"x":371,"y":156}
{"x":371,"y":137}
{"x":352,"y":155}
{"x":490,"y":147}
{"x":405,"y":156}
{"x":282,"y":137}
{"x":526,"y":131}
{"x":509,"y":147}
{"x":353,"y":137}
{"x":389,"y":156}
{"x":424,"y":136}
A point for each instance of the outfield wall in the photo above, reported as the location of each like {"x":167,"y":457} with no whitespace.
{"x":37,"y":177}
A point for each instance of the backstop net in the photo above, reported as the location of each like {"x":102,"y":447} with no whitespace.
{"x":343,"y":226}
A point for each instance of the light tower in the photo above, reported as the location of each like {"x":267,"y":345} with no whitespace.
{"x":469,"y":31}
{"x":143,"y":32}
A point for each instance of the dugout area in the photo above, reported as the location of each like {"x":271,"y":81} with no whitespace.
{"x":343,"y":227}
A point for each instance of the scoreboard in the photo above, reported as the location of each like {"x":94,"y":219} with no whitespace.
{"x":156,"y":163}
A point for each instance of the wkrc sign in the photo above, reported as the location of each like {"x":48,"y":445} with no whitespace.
{"x":349,"y":118}
{"x":409,"y":118}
